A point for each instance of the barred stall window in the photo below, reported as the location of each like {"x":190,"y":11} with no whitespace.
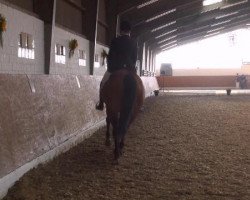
{"x":97,"y":63}
{"x":60,"y":54}
{"x":82,"y":58}
{"x":26,"y":46}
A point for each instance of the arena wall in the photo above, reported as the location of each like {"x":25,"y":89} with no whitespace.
{"x":44,"y":115}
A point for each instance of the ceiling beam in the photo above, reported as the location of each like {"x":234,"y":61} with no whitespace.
{"x":200,"y":35}
{"x":203,"y":32}
{"x":190,"y":29}
{"x":140,"y":16}
{"x":191,"y":15}
{"x":200,"y":24}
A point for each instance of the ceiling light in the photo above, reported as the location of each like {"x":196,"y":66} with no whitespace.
{"x":210,"y":2}
{"x":161,"y":15}
{"x":146,"y":4}
{"x":163,"y":26}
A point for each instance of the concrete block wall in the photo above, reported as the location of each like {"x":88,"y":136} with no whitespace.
{"x":18,"y":22}
{"x":40,"y":113}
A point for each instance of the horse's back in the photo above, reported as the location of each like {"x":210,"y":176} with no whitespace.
{"x":113,"y":90}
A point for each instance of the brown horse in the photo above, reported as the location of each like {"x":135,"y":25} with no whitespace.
{"x":123,"y":95}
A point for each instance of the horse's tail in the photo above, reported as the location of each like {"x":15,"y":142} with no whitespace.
{"x":128,"y":99}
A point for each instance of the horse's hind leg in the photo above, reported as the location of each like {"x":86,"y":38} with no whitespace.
{"x":116,"y":139}
{"x":108,"y":141}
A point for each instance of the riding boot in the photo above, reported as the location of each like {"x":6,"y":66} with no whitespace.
{"x":100,"y":105}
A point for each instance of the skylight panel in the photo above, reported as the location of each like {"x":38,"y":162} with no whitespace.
{"x":210,"y":2}
{"x":164,"y":45}
{"x":169,"y":47}
{"x":217,"y":29}
{"x":167,"y":33}
{"x":211,"y":34}
{"x":161,"y":15}
{"x":227,"y":15}
{"x":167,"y":39}
{"x":224,"y":22}
{"x":165,"y":25}
{"x":147,"y":4}
{"x":234,"y":4}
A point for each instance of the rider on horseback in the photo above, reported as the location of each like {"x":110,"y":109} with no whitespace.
{"x":122,"y":54}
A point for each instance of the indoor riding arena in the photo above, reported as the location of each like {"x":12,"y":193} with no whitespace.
{"x":178,"y":129}
{"x":180,"y":147}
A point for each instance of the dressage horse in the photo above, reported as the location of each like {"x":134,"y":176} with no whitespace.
{"x":123,"y":95}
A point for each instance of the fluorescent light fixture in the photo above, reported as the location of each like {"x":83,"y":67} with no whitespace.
{"x":248,"y":24}
{"x":161,"y":15}
{"x":168,"y":44}
{"x":224,"y":22}
{"x":167,"y":39}
{"x":234,"y":4}
{"x":227,"y":15}
{"x":217,"y":29}
{"x":167,"y":33}
{"x":210,"y":2}
{"x":146,"y":4}
{"x":212,"y":34}
{"x":163,"y":26}
{"x":169,"y":47}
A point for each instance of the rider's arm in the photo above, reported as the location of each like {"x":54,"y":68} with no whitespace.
{"x":111,"y":57}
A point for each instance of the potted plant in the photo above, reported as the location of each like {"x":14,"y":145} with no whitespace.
{"x":73,"y":44}
{"x":3,"y":28}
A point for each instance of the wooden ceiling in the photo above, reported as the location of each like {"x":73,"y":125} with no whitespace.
{"x":164,"y":24}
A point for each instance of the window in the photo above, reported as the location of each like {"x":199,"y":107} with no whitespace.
{"x":82,"y":58}
{"x":97,"y":63}
{"x":26,"y":46}
{"x":60,"y":54}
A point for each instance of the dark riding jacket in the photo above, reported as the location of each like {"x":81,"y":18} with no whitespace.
{"x":122,"y":53}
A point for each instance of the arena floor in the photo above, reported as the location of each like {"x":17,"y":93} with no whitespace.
{"x":180,"y":147}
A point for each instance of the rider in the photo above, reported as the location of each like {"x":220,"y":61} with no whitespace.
{"x":122,"y":54}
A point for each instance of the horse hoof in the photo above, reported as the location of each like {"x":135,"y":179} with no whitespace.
{"x":108,"y":143}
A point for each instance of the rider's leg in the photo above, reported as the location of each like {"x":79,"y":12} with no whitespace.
{"x":100,"y":105}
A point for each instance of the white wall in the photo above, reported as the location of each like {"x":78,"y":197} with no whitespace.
{"x":102,"y":69}
{"x":62,"y":37}
{"x":18,"y":22}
